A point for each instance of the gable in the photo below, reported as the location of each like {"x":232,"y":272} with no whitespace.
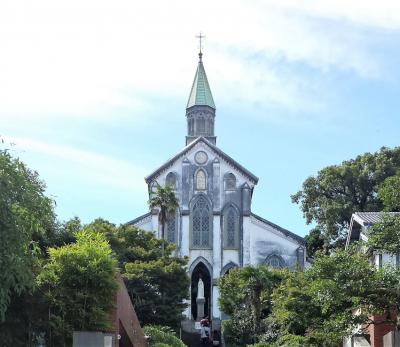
{"x":213,"y":152}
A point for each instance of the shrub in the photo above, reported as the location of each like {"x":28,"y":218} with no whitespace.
{"x":162,"y":336}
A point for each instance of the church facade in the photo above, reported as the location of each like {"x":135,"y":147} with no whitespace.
{"x":214,"y":225}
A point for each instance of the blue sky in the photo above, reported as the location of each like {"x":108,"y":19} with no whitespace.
{"x":93,"y":93}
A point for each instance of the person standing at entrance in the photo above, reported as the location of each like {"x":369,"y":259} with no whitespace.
{"x":204,"y":334}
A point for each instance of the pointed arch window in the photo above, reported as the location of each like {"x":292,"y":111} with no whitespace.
{"x":201,"y":180}
{"x":153,"y":188}
{"x":230,"y":181}
{"x":231,"y":228}
{"x":201,"y":122}
{"x":201,"y":224}
{"x":275,"y":261}
{"x":172,"y":227}
{"x":171,"y":180}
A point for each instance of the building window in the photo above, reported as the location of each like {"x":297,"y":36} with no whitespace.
{"x":191,"y":123}
{"x":398,"y":259}
{"x":380,"y":261}
{"x":201,"y":180}
{"x":201,"y":122}
{"x":275,"y":261}
{"x":171,"y":229}
{"x":230,"y":182}
{"x":171,"y":180}
{"x":153,"y":188}
{"x":201,"y":224}
{"x":231,"y":228}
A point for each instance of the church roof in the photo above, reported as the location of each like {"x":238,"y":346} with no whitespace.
{"x":138,"y":219}
{"x":222,"y":154}
{"x":200,"y":94}
{"x":284,"y":231}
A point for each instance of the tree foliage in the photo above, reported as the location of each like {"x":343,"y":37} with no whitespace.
{"x":315,"y":241}
{"x":245,"y":294}
{"x":156,"y":280}
{"x":25,"y":215}
{"x":384,"y":236}
{"x":164,"y":199}
{"x":79,"y":285}
{"x":389,"y":193}
{"x":337,"y":191}
{"x":160,"y":336}
{"x":335,"y":296}
{"x":315,"y":307}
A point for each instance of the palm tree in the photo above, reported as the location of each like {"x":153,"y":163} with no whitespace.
{"x":164,"y":199}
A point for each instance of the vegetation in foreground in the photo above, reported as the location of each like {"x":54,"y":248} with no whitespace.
{"x":316,"y":307}
{"x":160,"y":336}
{"x":59,"y":277}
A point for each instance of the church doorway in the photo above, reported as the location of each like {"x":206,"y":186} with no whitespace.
{"x":201,"y":271}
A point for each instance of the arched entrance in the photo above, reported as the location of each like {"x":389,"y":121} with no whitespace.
{"x":201,"y":271}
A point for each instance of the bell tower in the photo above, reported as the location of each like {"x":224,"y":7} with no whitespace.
{"x":200,"y":109}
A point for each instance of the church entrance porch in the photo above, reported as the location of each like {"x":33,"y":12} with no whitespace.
{"x":200,"y":292}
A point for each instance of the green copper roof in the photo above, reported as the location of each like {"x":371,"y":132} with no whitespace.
{"x":200,"y":93}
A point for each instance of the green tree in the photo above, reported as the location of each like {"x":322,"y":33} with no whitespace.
{"x":164,"y":199}
{"x":315,"y":241}
{"x":245,"y":294}
{"x":332,"y":298}
{"x":79,"y":284}
{"x":345,"y":282}
{"x":384,"y":236}
{"x":389,"y":193}
{"x":25,"y":215}
{"x":161,"y":336}
{"x":337,"y":191}
{"x":156,"y":281}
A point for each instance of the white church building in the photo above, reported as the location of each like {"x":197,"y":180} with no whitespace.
{"x":214,"y":226}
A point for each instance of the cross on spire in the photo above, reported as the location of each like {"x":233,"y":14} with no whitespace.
{"x":200,"y":37}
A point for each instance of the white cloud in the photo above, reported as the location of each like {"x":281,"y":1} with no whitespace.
{"x":92,"y":167}
{"x":86,"y":58}
{"x":384,"y":14}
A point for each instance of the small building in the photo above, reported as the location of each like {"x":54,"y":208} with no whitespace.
{"x":126,"y":330}
{"x":360,"y":223}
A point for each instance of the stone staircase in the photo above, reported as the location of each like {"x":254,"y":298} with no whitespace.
{"x":191,"y":339}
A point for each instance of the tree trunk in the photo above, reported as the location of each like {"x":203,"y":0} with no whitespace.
{"x":162,"y":219}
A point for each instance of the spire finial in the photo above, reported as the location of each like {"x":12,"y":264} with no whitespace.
{"x":200,"y":37}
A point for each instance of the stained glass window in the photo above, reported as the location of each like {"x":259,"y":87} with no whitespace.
{"x":171,"y":227}
{"x":201,"y":223}
{"x":230,"y":228}
{"x":201,"y":180}
{"x":275,"y":261}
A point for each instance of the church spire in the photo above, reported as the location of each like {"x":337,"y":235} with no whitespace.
{"x":200,"y":94}
{"x":200,"y":109}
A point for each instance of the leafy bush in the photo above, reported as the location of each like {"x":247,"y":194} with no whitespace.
{"x":162,"y":336}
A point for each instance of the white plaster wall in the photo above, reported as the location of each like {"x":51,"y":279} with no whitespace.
{"x":216,"y":246}
{"x":185,"y":236}
{"x":230,"y":255}
{"x":246,"y":240}
{"x":154,"y":223}
{"x":266,"y":240}
{"x":146,"y":224}
{"x":216,"y":311}
{"x":205,"y":253}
